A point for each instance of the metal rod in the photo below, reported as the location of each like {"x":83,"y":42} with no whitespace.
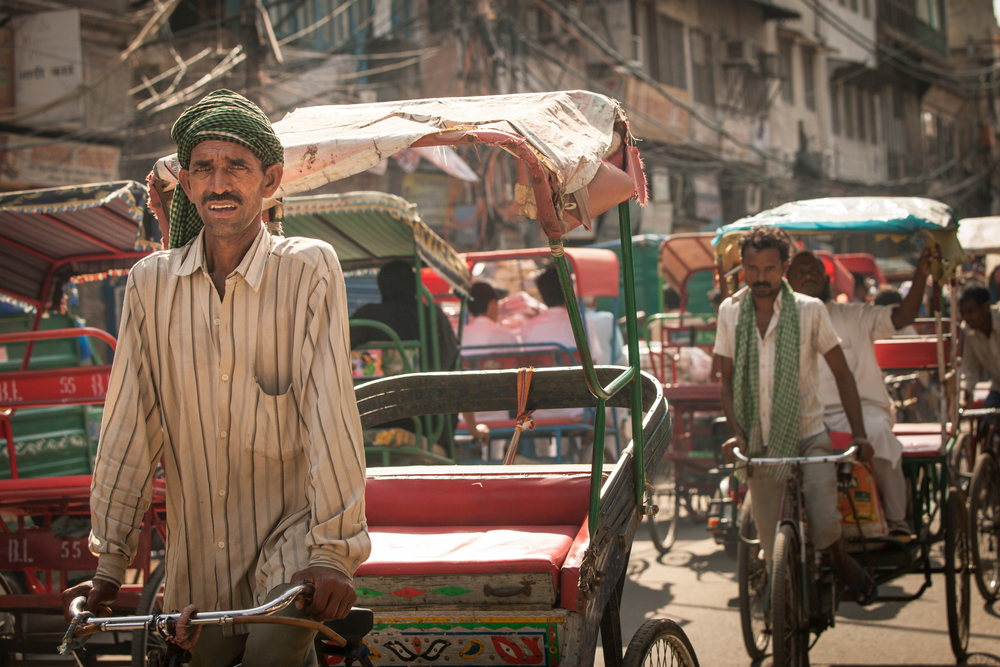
{"x":794,"y":460}
{"x":632,"y":327}
{"x":596,"y":468}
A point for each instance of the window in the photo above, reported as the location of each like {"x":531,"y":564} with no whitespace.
{"x":702,"y":68}
{"x":862,"y":121}
{"x":666,"y":51}
{"x":835,"y":108}
{"x":897,"y":102}
{"x":848,"y":112}
{"x":854,"y":6}
{"x":809,"y":76}
{"x":866,"y":8}
{"x":872,"y":117}
{"x":785,"y":70}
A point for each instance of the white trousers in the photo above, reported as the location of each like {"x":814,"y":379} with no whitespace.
{"x":888,"y":454}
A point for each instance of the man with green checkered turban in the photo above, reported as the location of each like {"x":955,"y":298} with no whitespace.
{"x":221,"y":116}
{"x":769,"y":342}
{"x":234,"y":369}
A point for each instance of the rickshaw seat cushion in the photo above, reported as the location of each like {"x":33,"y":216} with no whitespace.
{"x":905,"y":353}
{"x":461,"y":550}
{"x":477,"y":500}
{"x":925,"y":428}
{"x":927,"y":445}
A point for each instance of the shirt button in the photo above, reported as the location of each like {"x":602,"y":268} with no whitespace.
{"x":222,"y":545}
{"x":223,"y":434}
{"x":225,"y":378}
{"x":216,"y":321}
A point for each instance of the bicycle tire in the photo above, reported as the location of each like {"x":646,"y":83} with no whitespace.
{"x":659,"y":642}
{"x":957,"y":574}
{"x":788,"y":624}
{"x":751,"y":576}
{"x":146,"y":643}
{"x":984,"y":529}
{"x":663,"y":494}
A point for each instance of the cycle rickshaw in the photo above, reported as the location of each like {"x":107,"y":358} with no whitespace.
{"x":490,"y":565}
{"x":809,"y":593}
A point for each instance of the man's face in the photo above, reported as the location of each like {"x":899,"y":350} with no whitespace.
{"x":762,"y":271}
{"x":807,"y":275}
{"x":227,"y":185}
{"x":978,"y":316}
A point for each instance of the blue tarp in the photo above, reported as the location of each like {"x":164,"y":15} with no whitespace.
{"x":863,"y":215}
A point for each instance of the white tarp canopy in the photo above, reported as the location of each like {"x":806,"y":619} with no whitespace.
{"x":980,"y":236}
{"x":562,"y":136}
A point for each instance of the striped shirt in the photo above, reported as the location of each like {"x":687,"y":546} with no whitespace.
{"x":250,"y":402}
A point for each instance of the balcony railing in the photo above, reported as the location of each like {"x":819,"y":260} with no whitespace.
{"x":901,"y":16}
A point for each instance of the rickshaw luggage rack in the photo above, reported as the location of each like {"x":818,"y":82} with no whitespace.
{"x":447,"y":560}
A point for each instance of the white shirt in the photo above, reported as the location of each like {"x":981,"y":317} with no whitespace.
{"x":816,"y":338}
{"x":602,"y":326}
{"x":482,"y":331}
{"x":981,"y":353}
{"x":552,"y":326}
{"x":858,"y":325}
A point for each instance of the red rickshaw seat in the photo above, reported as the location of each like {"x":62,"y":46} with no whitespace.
{"x":909,"y":353}
{"x":925,"y":428}
{"x":928,"y":445}
{"x":475,"y":522}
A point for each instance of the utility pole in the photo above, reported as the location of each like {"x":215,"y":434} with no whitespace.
{"x":254,"y":48}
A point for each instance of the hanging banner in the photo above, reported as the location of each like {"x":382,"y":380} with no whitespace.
{"x":48,"y":63}
{"x":39,"y":162}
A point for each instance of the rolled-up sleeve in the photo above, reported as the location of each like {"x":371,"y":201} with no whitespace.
{"x":338,"y":531}
{"x":725,"y":336}
{"x":130,"y":446}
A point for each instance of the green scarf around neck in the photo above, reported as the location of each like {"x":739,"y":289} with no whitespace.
{"x":783,"y":439}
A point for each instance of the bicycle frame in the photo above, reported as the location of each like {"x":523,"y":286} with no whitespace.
{"x":793,"y":490}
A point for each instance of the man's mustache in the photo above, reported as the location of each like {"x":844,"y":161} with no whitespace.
{"x":761,"y":285}
{"x":225,"y":196}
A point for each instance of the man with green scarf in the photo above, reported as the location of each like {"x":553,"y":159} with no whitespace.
{"x":769,"y":342}
{"x":233,"y":368}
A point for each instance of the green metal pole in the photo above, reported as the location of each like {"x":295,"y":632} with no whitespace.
{"x":596,"y":468}
{"x":463,"y":311}
{"x":579,"y":334}
{"x":632,"y":326}
{"x":421,"y":324}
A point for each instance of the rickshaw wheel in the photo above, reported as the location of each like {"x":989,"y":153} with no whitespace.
{"x":984,"y":531}
{"x":663,"y":524}
{"x":788,"y":622}
{"x":962,"y":462}
{"x":659,"y":642}
{"x":148,"y":648}
{"x":751,"y":575}
{"x":956,"y":573}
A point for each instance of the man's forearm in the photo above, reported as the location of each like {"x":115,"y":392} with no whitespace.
{"x":726,"y":396}
{"x":909,"y":308}
{"x":849,"y":398}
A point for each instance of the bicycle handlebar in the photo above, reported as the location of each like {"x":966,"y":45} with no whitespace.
{"x":977,"y":412}
{"x":796,"y":460}
{"x":165,"y":623}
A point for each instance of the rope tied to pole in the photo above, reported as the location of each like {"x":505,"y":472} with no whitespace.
{"x":524,"y":421}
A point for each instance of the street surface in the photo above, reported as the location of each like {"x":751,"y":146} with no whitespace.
{"x":695,"y":585}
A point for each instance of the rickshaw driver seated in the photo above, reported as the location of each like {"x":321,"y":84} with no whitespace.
{"x":233,"y":365}
{"x":859,"y":325}
{"x":981,"y":327}
{"x":769,"y":342}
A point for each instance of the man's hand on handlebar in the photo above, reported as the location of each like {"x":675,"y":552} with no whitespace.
{"x":865,"y":451}
{"x":334,"y":594}
{"x":100,"y":595}
{"x":728,"y":446}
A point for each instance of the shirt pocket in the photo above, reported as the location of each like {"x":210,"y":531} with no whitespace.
{"x":274,"y":431}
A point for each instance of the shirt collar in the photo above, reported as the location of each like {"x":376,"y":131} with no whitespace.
{"x":251,"y":268}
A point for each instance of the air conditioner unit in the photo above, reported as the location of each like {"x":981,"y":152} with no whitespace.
{"x":741,"y":53}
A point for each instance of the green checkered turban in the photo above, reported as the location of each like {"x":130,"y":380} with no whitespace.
{"x":225,"y":116}
{"x":783,"y":439}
